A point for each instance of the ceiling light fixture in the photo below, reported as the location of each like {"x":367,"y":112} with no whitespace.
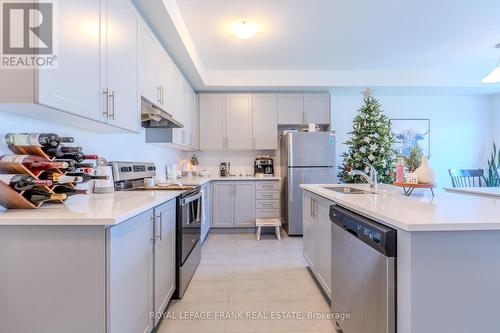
{"x":494,"y":76}
{"x":244,"y":29}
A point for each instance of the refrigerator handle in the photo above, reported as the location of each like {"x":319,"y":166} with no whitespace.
{"x":290,"y":186}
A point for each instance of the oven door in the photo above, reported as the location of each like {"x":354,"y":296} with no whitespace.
{"x":191,"y":223}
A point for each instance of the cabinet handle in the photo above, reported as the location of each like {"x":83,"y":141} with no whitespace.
{"x":151,"y":228}
{"x":162,"y":96}
{"x":159,"y":217}
{"x":105,"y":92}
{"x":311,"y":208}
{"x":158,"y":95}
{"x":112,"y":96}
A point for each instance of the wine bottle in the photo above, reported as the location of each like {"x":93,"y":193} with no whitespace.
{"x":60,"y":150}
{"x":62,"y":189}
{"x":78,"y":157}
{"x":38,"y":196}
{"x":33,"y":163}
{"x":36,"y":139}
{"x":23,"y":182}
{"x":59,"y":178}
{"x":74,"y":165}
{"x":86,"y":176}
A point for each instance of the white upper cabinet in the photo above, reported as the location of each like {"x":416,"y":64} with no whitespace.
{"x":96,"y":83}
{"x":290,"y":109}
{"x":265,"y":121}
{"x":296,"y":109}
{"x":163,"y":80}
{"x":317,"y":108}
{"x":212,"y":121}
{"x":75,"y":85}
{"x":165,"y":86}
{"x":148,"y":66}
{"x":175,"y":93}
{"x":250,"y":121}
{"x":122,"y":65}
{"x":239,"y":122}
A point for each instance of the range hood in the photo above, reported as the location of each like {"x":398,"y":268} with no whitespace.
{"x":154,"y":117}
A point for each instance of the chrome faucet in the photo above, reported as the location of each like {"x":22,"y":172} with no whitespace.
{"x":372,"y":179}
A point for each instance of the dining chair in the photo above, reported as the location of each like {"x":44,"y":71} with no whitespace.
{"x":467,"y":178}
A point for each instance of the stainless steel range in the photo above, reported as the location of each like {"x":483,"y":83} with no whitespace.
{"x":130,"y":176}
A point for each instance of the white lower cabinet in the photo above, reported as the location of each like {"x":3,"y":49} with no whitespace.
{"x":223,"y":204}
{"x":309,"y":232}
{"x":239,"y":203}
{"x":164,"y":256}
{"x":317,"y":239}
{"x":140,"y":269}
{"x":233,"y":204}
{"x":129,"y":275}
{"x":244,"y":204}
{"x":206,"y":211}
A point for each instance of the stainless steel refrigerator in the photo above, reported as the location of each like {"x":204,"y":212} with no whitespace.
{"x":306,"y":158}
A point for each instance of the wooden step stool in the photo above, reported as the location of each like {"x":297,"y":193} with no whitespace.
{"x":276,"y":223}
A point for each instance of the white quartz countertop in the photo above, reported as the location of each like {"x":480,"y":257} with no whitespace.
{"x":420,"y":212}
{"x":203,"y":180}
{"x":102,"y":209}
{"x":491,"y":192}
{"x":93,"y":209}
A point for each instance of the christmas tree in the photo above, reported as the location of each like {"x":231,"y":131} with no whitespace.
{"x":371,"y":142}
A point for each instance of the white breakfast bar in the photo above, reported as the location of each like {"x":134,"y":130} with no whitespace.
{"x":448,"y":256}
{"x":488,"y":192}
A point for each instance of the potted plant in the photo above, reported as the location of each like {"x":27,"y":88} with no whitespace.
{"x":493,"y":176}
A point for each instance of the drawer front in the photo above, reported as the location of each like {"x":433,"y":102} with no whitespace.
{"x":267,"y":214}
{"x":266,"y":185}
{"x":267,"y":204}
{"x":267,"y":195}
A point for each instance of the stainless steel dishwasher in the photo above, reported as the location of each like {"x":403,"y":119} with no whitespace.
{"x":363,"y":273}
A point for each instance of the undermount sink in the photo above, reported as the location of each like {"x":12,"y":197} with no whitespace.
{"x":347,"y":190}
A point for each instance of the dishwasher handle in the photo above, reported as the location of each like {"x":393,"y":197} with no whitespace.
{"x":351,"y":231}
{"x":376,"y":235}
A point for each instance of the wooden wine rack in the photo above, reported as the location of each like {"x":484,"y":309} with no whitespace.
{"x":10,"y":198}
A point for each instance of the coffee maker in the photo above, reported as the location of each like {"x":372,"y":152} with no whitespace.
{"x":263,"y":166}
{"x":225,"y":169}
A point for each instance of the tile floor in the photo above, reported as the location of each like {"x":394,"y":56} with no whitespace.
{"x":252,"y":282}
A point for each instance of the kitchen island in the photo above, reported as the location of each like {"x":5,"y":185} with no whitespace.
{"x":448,"y":251}
{"x":101,"y":263}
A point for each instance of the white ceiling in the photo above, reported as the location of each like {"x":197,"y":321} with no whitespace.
{"x":346,"y":35}
{"x":330,"y":43}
